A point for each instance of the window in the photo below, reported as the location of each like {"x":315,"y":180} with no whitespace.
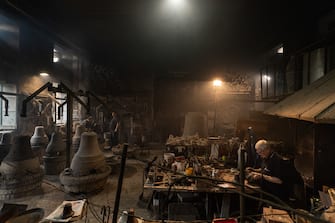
{"x":313,"y":65}
{"x":280,"y":50}
{"x":66,"y":58}
{"x":8,"y":122}
{"x":60,"y":107}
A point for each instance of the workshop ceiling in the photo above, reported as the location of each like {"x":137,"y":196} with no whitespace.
{"x":167,"y":34}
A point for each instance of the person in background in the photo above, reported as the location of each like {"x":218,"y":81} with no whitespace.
{"x":114,"y":126}
{"x":252,"y":156}
{"x":273,"y":173}
{"x":248,"y":139}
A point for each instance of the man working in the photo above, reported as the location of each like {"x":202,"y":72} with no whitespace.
{"x":274,"y":174}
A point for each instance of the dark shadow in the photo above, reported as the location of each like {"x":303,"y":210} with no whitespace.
{"x":129,"y":171}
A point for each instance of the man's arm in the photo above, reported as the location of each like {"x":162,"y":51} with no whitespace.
{"x":250,"y":169}
{"x":116,"y":127}
{"x":272,"y":179}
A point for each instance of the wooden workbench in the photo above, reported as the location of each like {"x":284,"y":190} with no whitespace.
{"x":209,"y":189}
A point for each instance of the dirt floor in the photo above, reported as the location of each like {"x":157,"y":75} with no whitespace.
{"x":52,"y":193}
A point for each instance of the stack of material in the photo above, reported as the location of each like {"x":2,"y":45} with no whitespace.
{"x":194,"y":140}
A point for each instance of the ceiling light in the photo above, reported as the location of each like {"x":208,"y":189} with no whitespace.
{"x":217,"y":83}
{"x":44,"y":74}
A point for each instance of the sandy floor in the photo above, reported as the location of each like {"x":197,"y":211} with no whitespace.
{"x":52,"y":193}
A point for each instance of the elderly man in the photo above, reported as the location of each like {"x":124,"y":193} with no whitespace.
{"x":271,"y":172}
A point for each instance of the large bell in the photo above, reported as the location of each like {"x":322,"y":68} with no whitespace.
{"x":55,"y":157}
{"x":195,"y":123}
{"x":76,"y":138}
{"x":5,"y":144}
{"x":39,"y":141}
{"x":20,"y":170}
{"x":89,"y":158}
{"x":88,"y":171}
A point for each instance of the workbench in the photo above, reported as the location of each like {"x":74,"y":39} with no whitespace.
{"x":211,"y":191}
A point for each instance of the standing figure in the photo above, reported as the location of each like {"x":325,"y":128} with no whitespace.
{"x":252,"y":155}
{"x":114,"y":126}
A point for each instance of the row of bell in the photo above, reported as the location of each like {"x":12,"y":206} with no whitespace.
{"x":22,"y":160}
{"x":21,"y":173}
{"x":89,"y":155}
{"x":51,"y":153}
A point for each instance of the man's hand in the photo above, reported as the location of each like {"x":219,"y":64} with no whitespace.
{"x":250,"y":169}
{"x":256,"y":176}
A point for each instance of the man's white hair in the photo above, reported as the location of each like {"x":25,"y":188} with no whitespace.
{"x":261,"y":144}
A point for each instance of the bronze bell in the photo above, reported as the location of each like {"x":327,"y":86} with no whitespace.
{"x":89,"y":159}
{"x":56,"y":146}
{"x":5,"y":144}
{"x":38,"y":142}
{"x":88,"y":171}
{"x":6,"y":138}
{"x":20,"y":170}
{"x":55,"y":158}
{"x":20,"y":158}
{"x":39,"y":138}
{"x":76,"y":138}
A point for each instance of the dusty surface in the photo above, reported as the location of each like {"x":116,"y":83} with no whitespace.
{"x":52,"y":193}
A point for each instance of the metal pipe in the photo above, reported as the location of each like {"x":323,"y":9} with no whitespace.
{"x":6,"y":104}
{"x":215,"y":110}
{"x":242,"y":178}
{"x":60,"y":109}
{"x":25,"y":101}
{"x":119,"y":185}
{"x":73,"y":95}
{"x":69,"y":129}
{"x":88,"y":103}
{"x":70,"y":96}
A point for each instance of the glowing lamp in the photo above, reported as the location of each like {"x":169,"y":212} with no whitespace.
{"x":217,"y":83}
